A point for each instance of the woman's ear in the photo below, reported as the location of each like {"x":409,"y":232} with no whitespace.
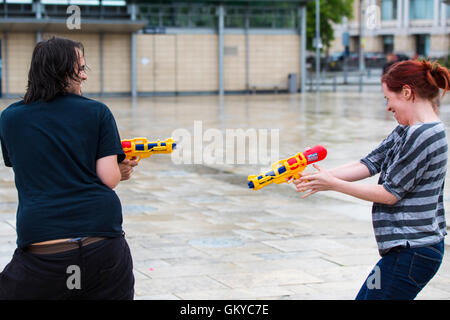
{"x":407,"y":93}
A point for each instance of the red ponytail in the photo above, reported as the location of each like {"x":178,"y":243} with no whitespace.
{"x":424,"y":78}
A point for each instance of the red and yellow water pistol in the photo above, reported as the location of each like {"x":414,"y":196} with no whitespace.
{"x":140,"y":148}
{"x":287,"y":169}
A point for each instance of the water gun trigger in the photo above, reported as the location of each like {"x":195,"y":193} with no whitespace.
{"x":293,"y":177}
{"x":136,"y":158}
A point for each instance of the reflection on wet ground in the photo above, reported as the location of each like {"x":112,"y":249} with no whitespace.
{"x":197,"y":232}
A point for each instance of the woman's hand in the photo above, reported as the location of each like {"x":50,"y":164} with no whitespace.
{"x":322,"y":180}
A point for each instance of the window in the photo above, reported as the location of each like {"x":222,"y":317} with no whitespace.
{"x":388,"y":44}
{"x":19,"y":1}
{"x":421,"y":9}
{"x":388,"y":9}
{"x":67,"y":2}
{"x":86,"y":2}
{"x":423,"y":45}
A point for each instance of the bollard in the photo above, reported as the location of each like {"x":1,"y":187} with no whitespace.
{"x":345,"y":74}
{"x":360,"y":82}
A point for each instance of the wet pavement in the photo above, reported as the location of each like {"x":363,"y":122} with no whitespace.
{"x":195,"y":229}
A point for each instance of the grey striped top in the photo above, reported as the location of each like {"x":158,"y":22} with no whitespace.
{"x":412,"y":162}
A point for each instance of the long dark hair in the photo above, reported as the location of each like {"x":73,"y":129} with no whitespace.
{"x":54,"y":62}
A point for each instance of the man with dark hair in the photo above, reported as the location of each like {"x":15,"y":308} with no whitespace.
{"x":391,"y":60}
{"x":67,"y":158}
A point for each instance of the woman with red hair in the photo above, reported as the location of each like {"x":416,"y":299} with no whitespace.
{"x":408,"y":202}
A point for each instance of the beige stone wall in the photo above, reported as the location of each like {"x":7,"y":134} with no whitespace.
{"x":20,"y":48}
{"x":3,"y":63}
{"x":234,"y":63}
{"x":272,"y":58}
{"x":156,"y":63}
{"x":165,"y":63}
{"x":144,"y":63}
{"x":197,"y":63}
{"x":440,"y":45}
{"x":404,"y":44}
{"x":189,"y":63}
{"x":356,"y":12}
{"x":117,"y":63}
{"x":168,"y":63}
{"x":373,"y":44}
{"x":171,"y":63}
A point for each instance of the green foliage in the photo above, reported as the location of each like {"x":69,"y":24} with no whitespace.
{"x":445,"y":61}
{"x":331,"y":11}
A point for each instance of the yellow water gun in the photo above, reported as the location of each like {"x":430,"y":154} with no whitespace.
{"x":140,"y":148}
{"x":286,"y":169}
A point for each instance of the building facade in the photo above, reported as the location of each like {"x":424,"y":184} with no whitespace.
{"x":411,"y":27}
{"x":158,"y":47}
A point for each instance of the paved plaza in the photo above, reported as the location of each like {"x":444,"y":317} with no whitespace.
{"x":196,"y":231}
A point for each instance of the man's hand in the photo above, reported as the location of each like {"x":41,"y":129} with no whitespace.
{"x":126,"y":168}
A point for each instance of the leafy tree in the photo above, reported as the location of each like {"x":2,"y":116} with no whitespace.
{"x":331,"y":11}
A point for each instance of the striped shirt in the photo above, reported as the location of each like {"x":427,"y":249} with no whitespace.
{"x":412,"y":162}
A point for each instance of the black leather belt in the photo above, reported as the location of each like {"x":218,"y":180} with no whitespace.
{"x":62,"y":246}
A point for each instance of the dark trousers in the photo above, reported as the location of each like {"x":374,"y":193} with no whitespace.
{"x":99,"y":271}
{"x":402,"y":273}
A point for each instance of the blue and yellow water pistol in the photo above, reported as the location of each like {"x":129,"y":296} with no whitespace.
{"x":140,"y":148}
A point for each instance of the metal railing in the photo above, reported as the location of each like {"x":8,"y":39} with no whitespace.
{"x":13,"y":10}
{"x":184,"y":15}
{"x":344,"y":80}
{"x":21,"y":10}
{"x":60,"y":11}
{"x":169,"y":15}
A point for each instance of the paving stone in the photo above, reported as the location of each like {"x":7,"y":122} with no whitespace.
{"x":263,"y":292}
{"x":265,"y":278}
{"x":176,"y":284}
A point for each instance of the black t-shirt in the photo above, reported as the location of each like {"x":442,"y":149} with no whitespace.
{"x":53,"y":148}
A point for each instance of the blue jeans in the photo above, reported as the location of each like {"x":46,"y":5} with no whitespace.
{"x":402,"y":273}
